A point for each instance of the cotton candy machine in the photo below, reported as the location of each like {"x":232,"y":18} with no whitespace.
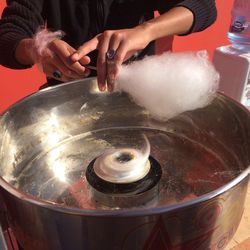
{"x":82,"y":169}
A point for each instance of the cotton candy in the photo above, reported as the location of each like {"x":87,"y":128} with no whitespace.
{"x":169,"y":84}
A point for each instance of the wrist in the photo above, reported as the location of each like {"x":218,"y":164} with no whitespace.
{"x":147,"y":30}
{"x":25,"y":52}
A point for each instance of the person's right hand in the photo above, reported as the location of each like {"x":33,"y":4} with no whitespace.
{"x":56,"y":57}
{"x":122,"y":43}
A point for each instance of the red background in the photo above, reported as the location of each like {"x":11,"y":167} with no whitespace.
{"x":15,"y":84}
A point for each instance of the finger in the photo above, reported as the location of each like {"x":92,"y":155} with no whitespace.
{"x":50,"y":69}
{"x":79,"y":66}
{"x":101,"y":60}
{"x":111,"y":74}
{"x":85,"y":49}
{"x":63,"y":78}
{"x":51,"y":64}
{"x":64,"y":51}
{"x":114,"y":44}
{"x":85,"y":60}
{"x":85,"y":64}
{"x":115,"y":41}
{"x":114,"y":65}
{"x":101,"y":73}
{"x":58,"y":64}
{"x":66,"y":74}
{"x":121,"y":54}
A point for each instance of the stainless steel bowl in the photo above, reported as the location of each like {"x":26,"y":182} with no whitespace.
{"x":48,"y":140}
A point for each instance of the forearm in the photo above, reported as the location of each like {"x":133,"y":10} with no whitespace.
{"x":20,"y":20}
{"x":176,"y":21}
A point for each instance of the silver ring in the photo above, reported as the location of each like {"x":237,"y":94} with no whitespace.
{"x":110,"y":54}
{"x":57,"y":74}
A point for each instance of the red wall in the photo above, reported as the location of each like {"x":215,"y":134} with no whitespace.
{"x":213,"y":37}
{"x":17,"y":84}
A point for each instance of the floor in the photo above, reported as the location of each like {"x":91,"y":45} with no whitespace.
{"x":241,"y":240}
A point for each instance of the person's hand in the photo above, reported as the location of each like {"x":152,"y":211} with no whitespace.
{"x":55,"y":62}
{"x":114,"y":47}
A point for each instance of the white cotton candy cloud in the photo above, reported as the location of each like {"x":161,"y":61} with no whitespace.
{"x":171,"y":83}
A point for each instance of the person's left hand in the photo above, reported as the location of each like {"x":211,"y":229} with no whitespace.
{"x":114,"y":47}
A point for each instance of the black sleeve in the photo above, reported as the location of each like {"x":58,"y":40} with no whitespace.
{"x":204,"y":11}
{"x":20,"y":19}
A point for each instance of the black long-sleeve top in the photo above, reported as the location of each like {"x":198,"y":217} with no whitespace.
{"x":83,"y":19}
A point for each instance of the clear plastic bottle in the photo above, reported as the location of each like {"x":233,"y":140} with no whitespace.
{"x":239,"y":31}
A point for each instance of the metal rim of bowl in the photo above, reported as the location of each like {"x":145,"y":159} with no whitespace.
{"x":123,"y":212}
